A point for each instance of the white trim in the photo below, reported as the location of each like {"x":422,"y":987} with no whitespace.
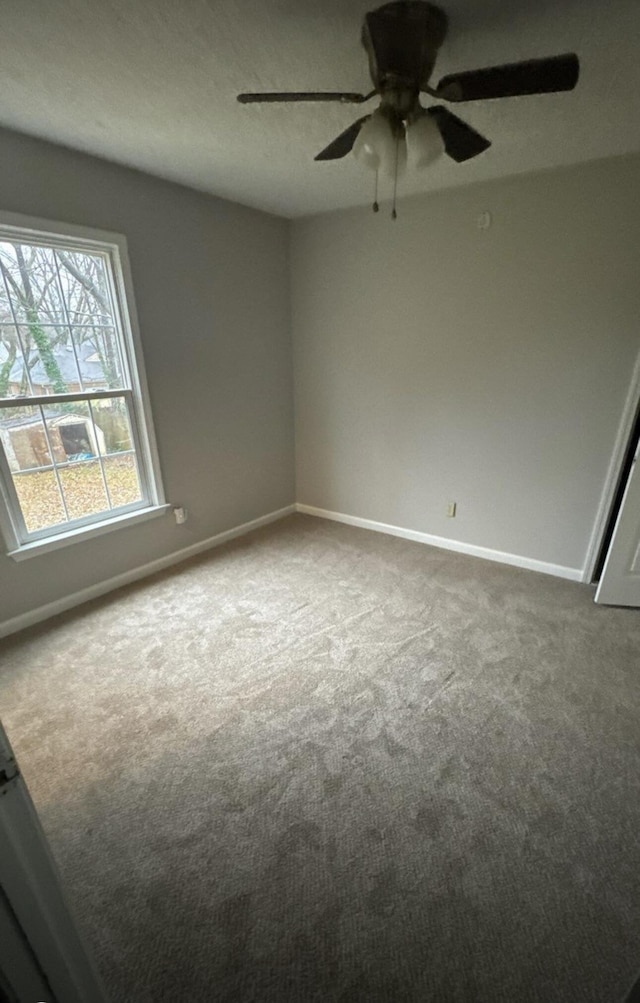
{"x":625,"y":429}
{"x":113,"y":248}
{"x":30,"y":883}
{"x":38,"y":226}
{"x":101,"y":588}
{"x":516,"y":560}
{"x":147,"y":442}
{"x":38,"y":547}
{"x":34,"y":616}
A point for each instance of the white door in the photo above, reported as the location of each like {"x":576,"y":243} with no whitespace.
{"x":620,"y":580}
{"x":42,"y":956}
{"x":25,"y":981}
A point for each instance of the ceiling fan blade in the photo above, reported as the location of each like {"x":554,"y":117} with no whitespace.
{"x":535,"y":76}
{"x":273,"y":98}
{"x":461,"y":142}
{"x":342,"y":144}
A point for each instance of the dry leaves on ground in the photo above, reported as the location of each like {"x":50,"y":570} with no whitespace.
{"x":83,"y":487}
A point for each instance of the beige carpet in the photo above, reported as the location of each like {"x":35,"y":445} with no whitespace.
{"x":324,"y":764}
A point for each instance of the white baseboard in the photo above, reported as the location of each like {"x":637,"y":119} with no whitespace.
{"x":101,"y":588}
{"x":573,"y":574}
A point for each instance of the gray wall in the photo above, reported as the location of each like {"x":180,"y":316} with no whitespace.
{"x":211,"y":286}
{"x":435,"y":361}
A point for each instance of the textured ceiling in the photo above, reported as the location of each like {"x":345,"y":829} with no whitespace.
{"x":152,"y":84}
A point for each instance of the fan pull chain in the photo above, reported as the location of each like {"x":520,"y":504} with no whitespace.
{"x":376,"y":207}
{"x":394,"y":214}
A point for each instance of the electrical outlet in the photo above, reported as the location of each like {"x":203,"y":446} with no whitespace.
{"x":180,"y":515}
{"x":451,"y":509}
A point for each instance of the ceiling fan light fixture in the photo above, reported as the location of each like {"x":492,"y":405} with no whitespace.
{"x":375,"y":146}
{"x":401,"y":39}
{"x":424,"y":141}
{"x":397,"y":166}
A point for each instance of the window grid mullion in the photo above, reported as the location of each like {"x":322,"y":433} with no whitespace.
{"x":84,"y":395}
{"x":53,"y":460}
{"x":49,"y":323}
{"x":72,"y":463}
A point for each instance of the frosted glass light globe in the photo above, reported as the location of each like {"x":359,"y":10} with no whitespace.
{"x":424,"y":141}
{"x":375,"y":145}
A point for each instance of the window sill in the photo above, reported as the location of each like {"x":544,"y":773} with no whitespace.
{"x":38,"y":547}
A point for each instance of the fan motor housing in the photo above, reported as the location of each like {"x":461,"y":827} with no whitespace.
{"x":402,"y":40}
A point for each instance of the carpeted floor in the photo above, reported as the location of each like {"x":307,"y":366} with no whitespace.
{"x":321,"y":764}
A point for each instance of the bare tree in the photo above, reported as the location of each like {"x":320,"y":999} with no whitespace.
{"x":59,"y":299}
{"x":29,"y":287}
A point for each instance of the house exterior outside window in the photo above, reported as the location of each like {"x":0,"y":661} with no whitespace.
{"x":77,"y":449}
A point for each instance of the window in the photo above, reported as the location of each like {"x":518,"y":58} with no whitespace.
{"x":77,"y":454}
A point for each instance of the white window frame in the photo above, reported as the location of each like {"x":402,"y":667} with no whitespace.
{"x":20,"y":543}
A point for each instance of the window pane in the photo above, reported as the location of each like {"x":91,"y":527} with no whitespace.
{"x":59,"y":359}
{"x":39,"y":498}
{"x":98,"y":357}
{"x":61,"y":333}
{"x":83,"y":488}
{"x":71,"y":432}
{"x":30,"y":276}
{"x":85,"y":286}
{"x":61,"y":301}
{"x":6,"y":315}
{"x":76,"y":445}
{"x":51,"y":359}
{"x":122,"y":479}
{"x":113,"y":432}
{"x":112,"y":418}
{"x":14,"y":376}
{"x":83,"y":450}
{"x":25,"y":446}
{"x":23,"y":438}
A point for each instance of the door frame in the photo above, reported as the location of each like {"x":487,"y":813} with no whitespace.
{"x":21,"y":977}
{"x":32,"y":889}
{"x":614,"y":472}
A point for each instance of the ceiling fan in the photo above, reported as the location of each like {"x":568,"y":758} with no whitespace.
{"x":401,"y":40}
